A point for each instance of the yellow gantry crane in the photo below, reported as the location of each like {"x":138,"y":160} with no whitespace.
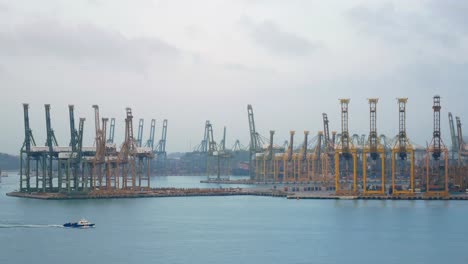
{"x":346,"y":179}
{"x":436,"y":166}
{"x":327,"y":157}
{"x":374,"y":151}
{"x":402,"y":154}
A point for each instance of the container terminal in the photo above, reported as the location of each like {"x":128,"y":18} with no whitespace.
{"x":327,"y":166}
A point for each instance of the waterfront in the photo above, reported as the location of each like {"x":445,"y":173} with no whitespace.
{"x":232,"y":229}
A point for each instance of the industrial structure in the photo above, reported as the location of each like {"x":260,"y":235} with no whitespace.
{"x":342,"y":162}
{"x":210,"y":157}
{"x":78,"y":168}
{"x":402,"y":155}
{"x":364,"y":165}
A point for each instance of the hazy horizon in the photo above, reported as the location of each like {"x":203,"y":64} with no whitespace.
{"x":192,"y":61}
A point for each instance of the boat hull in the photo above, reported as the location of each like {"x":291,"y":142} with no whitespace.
{"x":77,"y":225}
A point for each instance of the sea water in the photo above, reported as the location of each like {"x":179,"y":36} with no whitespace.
{"x":230,"y":229}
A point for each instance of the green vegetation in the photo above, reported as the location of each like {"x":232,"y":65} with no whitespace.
{"x":9,"y":162}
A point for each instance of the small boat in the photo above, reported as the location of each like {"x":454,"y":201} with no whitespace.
{"x":83,"y":223}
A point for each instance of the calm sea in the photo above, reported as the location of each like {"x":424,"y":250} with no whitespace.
{"x":231,"y":230}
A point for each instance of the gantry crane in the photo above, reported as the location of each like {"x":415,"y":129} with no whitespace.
{"x":144,"y":154}
{"x":78,"y":155}
{"x":462,"y":147}
{"x":70,"y":162}
{"x":321,"y":148}
{"x":161,"y":148}
{"x":127,"y":154}
{"x":287,"y":159}
{"x":26,"y":154}
{"x":51,"y":142}
{"x":455,"y":144}
{"x":345,"y":151}
{"x":140,"y":132}
{"x":462,"y":154}
{"x":375,"y":151}
{"x":459,"y":139}
{"x":265,"y":168}
{"x":162,"y":141}
{"x":203,"y":147}
{"x":436,"y":166}
{"x":256,"y":142}
{"x":110,"y":139}
{"x":237,"y":146}
{"x":327,"y":158}
{"x":222,"y":143}
{"x":402,"y":153}
{"x":305,"y":161}
{"x":98,"y":162}
{"x":225,"y":156}
{"x":150,"y":142}
{"x":269,"y":167}
{"x":309,"y":161}
{"x":73,"y":162}
{"x":212,"y":151}
{"x":199,"y":155}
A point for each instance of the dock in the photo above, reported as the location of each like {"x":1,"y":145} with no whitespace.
{"x":146,"y":193}
{"x":193,"y":192}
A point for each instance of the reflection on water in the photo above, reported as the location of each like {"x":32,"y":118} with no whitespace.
{"x":234,"y":229}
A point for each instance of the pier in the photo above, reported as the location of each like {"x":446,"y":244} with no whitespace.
{"x":193,"y":192}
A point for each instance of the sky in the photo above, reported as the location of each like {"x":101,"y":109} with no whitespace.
{"x":192,"y":61}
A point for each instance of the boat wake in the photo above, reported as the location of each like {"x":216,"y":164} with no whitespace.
{"x":29,"y":226}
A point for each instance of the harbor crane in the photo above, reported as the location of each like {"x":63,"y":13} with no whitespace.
{"x":140,"y":132}
{"x":110,"y":138}
{"x":150,"y":142}
{"x":436,"y":166}
{"x":375,"y":151}
{"x":26,"y":155}
{"x":327,"y":158}
{"x":256,"y":142}
{"x":346,"y":152}
{"x":51,"y":142}
{"x":402,"y":154}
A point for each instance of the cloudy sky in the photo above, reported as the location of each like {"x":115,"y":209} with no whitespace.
{"x":191,"y":61}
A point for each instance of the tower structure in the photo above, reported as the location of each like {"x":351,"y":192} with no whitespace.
{"x":402,"y":156}
{"x":345,"y":157}
{"x":436,"y":166}
{"x":373,"y":152}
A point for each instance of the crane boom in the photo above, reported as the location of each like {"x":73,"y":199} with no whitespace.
{"x":459,"y":132}
{"x":150,"y":141}
{"x":319,"y":144}
{"x":211,"y":143}
{"x":304,"y":146}
{"x":28,"y":137}
{"x":255,"y":144}
{"x":140,"y":132}
{"x":51,"y":139}
{"x":344,"y":125}
{"x":455,"y":144}
{"x":80,"y":139}
{"x":73,"y":132}
{"x":291,"y":144}
{"x":436,"y":135}
{"x":162,"y":142}
{"x":223,"y":142}
{"x":326,"y":133}
{"x":97,"y":126}
{"x":373,"y":138}
{"x":111,"y":131}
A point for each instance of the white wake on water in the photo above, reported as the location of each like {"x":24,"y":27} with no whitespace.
{"x":28,"y":226}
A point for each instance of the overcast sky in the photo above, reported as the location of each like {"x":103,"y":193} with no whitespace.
{"x":192,"y":61}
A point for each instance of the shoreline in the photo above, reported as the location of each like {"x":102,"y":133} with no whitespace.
{"x":200,"y":192}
